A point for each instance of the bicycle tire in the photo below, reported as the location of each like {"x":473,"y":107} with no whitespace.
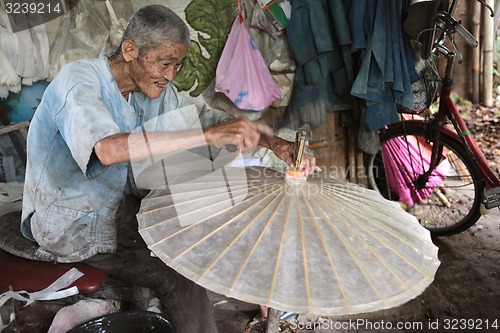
{"x":461,"y":185}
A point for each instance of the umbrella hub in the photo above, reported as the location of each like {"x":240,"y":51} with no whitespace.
{"x":295,"y":176}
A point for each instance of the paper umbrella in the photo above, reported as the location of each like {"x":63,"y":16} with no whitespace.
{"x":312,"y":245}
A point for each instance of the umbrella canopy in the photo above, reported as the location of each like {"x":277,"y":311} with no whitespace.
{"x":311,"y":245}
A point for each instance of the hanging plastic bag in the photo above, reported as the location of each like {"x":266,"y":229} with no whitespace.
{"x":260,"y":20}
{"x":277,"y":12}
{"x":66,"y":47}
{"x":242,"y":74}
{"x":91,"y":32}
{"x":117,"y":26}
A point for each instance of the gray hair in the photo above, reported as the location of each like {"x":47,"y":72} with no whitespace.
{"x":155,"y":25}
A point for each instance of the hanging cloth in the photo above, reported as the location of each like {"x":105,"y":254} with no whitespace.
{"x":387,"y":67}
{"x":319,"y":37}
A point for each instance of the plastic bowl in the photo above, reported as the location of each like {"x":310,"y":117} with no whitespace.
{"x":126,"y":322}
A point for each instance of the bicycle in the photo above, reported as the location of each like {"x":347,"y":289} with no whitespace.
{"x":436,"y":166}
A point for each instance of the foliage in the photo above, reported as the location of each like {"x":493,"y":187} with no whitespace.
{"x":496,"y":79}
{"x":212,"y":19}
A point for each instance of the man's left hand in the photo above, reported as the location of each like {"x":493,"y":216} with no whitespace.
{"x":285,"y":150}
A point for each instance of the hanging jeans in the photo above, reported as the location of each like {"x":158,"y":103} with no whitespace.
{"x":388,"y":67}
{"x":319,"y":38}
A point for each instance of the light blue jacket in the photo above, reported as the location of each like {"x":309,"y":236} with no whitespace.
{"x":70,"y":198}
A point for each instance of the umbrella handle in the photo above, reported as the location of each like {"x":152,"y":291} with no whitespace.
{"x":300,"y":142}
{"x":295,"y":173}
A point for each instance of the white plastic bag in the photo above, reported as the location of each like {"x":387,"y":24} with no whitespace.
{"x":73,"y":315}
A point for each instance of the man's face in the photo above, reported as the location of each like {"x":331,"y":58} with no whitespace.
{"x":154,"y":69}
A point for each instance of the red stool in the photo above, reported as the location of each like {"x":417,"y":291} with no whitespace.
{"x":20,"y":270}
{"x":31,"y":275}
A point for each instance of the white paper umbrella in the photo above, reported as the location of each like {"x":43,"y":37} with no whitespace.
{"x":307,"y":246}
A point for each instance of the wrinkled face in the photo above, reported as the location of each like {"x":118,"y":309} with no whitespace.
{"x":154,"y":69}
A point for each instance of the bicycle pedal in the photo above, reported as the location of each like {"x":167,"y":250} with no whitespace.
{"x":491,"y":197}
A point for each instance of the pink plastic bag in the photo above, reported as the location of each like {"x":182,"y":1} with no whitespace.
{"x":242,"y":74}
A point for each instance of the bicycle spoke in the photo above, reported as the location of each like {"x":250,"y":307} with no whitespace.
{"x":449,"y":200}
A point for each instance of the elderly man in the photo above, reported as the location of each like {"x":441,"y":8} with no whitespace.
{"x":80,"y":198}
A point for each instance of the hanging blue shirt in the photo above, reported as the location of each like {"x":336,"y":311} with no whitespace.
{"x":70,"y":197}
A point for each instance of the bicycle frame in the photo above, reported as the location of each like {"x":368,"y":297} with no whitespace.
{"x":447,"y":110}
{"x":437,"y":145}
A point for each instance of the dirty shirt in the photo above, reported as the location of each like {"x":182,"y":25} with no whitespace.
{"x":70,"y":197}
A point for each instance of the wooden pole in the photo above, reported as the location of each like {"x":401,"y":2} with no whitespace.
{"x":476,"y":52}
{"x":351,"y":154}
{"x":273,"y":321}
{"x":489,"y":39}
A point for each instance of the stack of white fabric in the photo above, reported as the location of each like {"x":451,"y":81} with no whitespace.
{"x":35,"y":54}
{"x":24,"y":56}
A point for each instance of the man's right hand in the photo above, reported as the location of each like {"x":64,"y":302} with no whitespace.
{"x":240,"y":132}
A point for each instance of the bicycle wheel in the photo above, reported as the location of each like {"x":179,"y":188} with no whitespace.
{"x":449,"y":202}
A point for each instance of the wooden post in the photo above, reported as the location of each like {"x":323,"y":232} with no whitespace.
{"x":331,"y":154}
{"x":476,"y":53}
{"x":351,"y":146}
{"x":489,"y":33}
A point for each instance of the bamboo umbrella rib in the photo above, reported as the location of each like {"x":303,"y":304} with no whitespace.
{"x":247,"y":259}
{"x":180,"y":216}
{"x":194,"y":185}
{"x":344,"y":243}
{"x":236,"y":186}
{"x":278,"y":256}
{"x":388,"y":231}
{"x":397,"y":226}
{"x":325,"y":247}
{"x":223,"y":226}
{"x":377,"y":256}
{"x":398,"y":278}
{"x":304,"y":254}
{"x":236,"y":239}
{"x":204,"y":180}
{"x":381,"y":226}
{"x":239,"y":193}
{"x":384,"y":212}
{"x":385,"y":243}
{"x":186,"y":228}
{"x":351,"y":192}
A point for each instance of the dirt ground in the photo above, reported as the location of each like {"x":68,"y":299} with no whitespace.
{"x":463,"y":297}
{"x":467,"y":283}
